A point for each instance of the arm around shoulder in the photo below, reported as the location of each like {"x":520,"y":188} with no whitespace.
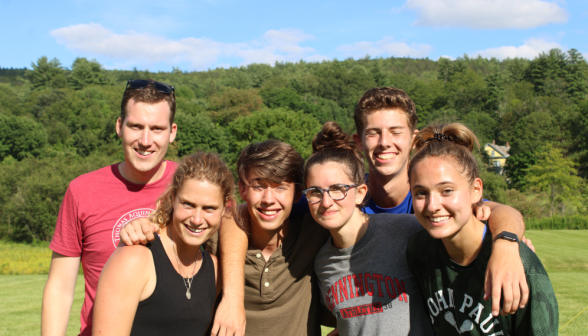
{"x":122,"y":285}
{"x":505,"y":275}
{"x":505,"y":218}
{"x":233,"y":242}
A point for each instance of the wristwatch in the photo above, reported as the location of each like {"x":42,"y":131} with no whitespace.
{"x":507,"y":236}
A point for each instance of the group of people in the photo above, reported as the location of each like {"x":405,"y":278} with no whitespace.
{"x":321,"y":242}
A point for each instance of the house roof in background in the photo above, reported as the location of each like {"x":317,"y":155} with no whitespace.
{"x":502,"y":150}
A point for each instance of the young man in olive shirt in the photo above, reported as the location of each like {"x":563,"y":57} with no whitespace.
{"x":281,"y":293}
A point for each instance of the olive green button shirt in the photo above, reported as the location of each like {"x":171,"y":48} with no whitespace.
{"x":281,"y":295}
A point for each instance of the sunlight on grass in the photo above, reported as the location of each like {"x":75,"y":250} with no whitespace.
{"x":564,"y":253}
{"x":20,"y":307}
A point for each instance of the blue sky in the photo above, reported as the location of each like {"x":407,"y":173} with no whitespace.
{"x":198,"y":35}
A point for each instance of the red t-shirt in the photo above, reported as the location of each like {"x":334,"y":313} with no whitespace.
{"x":95,"y":207}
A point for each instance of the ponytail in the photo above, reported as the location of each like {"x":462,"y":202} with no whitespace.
{"x":455,"y":141}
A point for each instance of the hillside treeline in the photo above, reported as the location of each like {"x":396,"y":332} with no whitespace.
{"x":58,"y":122}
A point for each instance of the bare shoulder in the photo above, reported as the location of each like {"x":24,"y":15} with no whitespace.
{"x":130,"y":260}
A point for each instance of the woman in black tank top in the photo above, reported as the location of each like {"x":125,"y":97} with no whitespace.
{"x":169,"y":287}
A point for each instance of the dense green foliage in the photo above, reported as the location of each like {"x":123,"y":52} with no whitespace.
{"x":57,"y":123}
{"x":557,"y":223}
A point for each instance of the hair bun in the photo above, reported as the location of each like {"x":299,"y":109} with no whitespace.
{"x":455,"y":133}
{"x":332,"y":137}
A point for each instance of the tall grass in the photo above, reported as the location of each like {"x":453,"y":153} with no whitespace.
{"x":557,"y":223}
{"x":24,"y":259}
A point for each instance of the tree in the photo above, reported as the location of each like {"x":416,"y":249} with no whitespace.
{"x":230,"y":103}
{"x":21,"y":137}
{"x":517,"y":167}
{"x":47,"y":74}
{"x":556,"y":175}
{"x":341,"y":84}
{"x":294,"y":128}
{"x":445,"y":70}
{"x":576,"y":76}
{"x":33,"y":189}
{"x":286,"y":97}
{"x":86,"y":73}
{"x":199,"y":132}
{"x":517,"y":68}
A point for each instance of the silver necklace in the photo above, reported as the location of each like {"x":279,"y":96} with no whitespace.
{"x":187,"y":281}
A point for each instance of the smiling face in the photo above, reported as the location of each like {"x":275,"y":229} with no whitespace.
{"x":330,"y":214}
{"x":442,"y":197}
{"x":145,"y":133}
{"x":269,"y":204}
{"x":385,"y":141}
{"x":198,"y":210}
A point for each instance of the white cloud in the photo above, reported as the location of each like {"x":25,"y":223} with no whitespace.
{"x":487,"y":14}
{"x":385,"y":47}
{"x":201,"y":53}
{"x":530,"y":49}
{"x":447,"y":56}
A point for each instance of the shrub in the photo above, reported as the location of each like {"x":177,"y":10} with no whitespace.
{"x":557,"y":223}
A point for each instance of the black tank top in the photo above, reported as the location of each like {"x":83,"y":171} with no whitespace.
{"x":168,"y":311}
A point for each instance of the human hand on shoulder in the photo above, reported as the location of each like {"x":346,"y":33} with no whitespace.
{"x":138,"y":231}
{"x":482,"y":212}
{"x":505,"y":275}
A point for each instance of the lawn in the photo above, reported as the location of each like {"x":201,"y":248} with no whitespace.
{"x":565,"y":257}
{"x":564,"y":254}
{"x":20,"y":307}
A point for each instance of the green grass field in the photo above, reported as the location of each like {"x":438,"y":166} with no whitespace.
{"x":565,"y":257}
{"x":564,"y":254}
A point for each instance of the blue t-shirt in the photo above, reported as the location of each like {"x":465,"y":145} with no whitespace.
{"x":405,"y":207}
{"x":301,"y":207}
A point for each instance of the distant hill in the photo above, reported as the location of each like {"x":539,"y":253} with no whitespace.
{"x":57,"y":122}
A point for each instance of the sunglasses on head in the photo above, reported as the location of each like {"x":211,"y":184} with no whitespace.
{"x":141,"y":84}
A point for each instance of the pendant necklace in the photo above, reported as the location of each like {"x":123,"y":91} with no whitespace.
{"x":187,"y":281}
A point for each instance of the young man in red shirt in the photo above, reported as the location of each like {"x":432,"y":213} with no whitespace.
{"x":97,"y":204}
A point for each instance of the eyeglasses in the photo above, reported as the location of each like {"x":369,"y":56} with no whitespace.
{"x":141,"y":84}
{"x":337,"y":192}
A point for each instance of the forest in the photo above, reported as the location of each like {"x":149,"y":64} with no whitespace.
{"x":58,"y":122}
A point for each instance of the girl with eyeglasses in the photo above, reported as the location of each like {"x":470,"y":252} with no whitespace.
{"x":362,"y":271}
{"x":450,"y":258}
{"x":169,"y":287}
